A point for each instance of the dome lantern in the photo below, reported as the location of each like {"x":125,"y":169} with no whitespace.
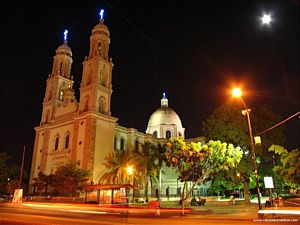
{"x":164,"y":101}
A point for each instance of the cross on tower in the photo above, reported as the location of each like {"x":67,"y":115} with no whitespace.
{"x":65,"y":35}
{"x":101,"y":14}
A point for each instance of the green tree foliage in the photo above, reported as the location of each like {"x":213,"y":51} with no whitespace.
{"x":4,"y":173}
{"x":229,"y":125}
{"x":288,"y":168}
{"x":145,"y":161}
{"x":42,"y":183}
{"x":196,"y":161}
{"x":69,"y":178}
{"x":149,"y":162}
{"x":10,"y":175}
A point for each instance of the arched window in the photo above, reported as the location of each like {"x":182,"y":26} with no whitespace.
{"x":122,"y":144}
{"x":179,"y":133}
{"x":102,"y":104}
{"x":56,"y":142}
{"x":103,"y":77}
{"x":67,"y":140}
{"x":47,"y":116}
{"x":99,"y":48}
{"x":155,"y":133}
{"x":87,"y":77}
{"x":168,"y":134}
{"x":86,"y":103}
{"x":61,"y":95}
{"x":136,"y":145}
{"x":60,"y":67}
{"x":115,"y":143}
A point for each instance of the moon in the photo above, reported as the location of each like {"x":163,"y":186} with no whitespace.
{"x":266,"y":19}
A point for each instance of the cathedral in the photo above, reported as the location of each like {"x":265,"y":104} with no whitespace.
{"x":86,"y":130}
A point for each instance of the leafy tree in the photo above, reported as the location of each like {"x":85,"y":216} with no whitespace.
{"x":230,"y":180}
{"x":289,"y":167}
{"x":229,"y":125}
{"x":196,"y":162}
{"x":69,"y":179}
{"x":10,"y":175}
{"x":220,"y":181}
{"x":146,"y":162}
{"x":117,"y":164}
{"x":42,"y":183}
{"x":4,"y":173}
{"x":149,"y":162}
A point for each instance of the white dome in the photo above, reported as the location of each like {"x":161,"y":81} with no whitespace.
{"x":164,"y":122}
{"x":164,"y":116}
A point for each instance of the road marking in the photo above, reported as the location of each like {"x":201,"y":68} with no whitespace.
{"x":279,"y":211}
{"x":88,"y":211}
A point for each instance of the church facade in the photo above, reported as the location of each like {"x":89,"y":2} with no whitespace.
{"x":85,"y":130}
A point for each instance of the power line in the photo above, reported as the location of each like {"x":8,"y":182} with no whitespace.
{"x":278,"y":124}
{"x":141,"y":32}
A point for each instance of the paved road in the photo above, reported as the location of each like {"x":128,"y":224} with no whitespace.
{"x":46,"y":214}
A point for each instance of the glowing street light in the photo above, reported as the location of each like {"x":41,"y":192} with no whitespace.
{"x":266,"y":19}
{"x":237,"y":93}
{"x":129,"y":170}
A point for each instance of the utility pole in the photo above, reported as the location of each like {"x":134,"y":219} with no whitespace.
{"x":22,"y":165}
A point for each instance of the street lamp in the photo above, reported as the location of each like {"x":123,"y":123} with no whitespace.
{"x":237,"y":93}
{"x":129,"y":170}
{"x":239,"y":176}
{"x":8,"y":184}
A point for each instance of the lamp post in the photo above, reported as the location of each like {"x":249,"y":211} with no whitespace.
{"x":129,"y":170}
{"x":239,"y":176}
{"x":236,"y":92}
{"x":8,"y":185}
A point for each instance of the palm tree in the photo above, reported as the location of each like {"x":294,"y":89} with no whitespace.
{"x":116,"y":164}
{"x":146,"y":162}
{"x":149,"y":163}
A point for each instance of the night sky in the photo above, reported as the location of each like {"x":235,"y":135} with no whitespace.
{"x":192,"y":50}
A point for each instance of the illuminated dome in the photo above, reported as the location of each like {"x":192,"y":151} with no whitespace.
{"x":100,"y":28}
{"x":64,"y":49}
{"x":164,"y":115}
{"x":164,"y":122}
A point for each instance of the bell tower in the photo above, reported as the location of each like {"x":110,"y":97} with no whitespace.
{"x":58,"y":82}
{"x":95,"y":103}
{"x":96,"y":87}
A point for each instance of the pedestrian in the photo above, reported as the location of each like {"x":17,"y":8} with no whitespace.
{"x":167,"y":192}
